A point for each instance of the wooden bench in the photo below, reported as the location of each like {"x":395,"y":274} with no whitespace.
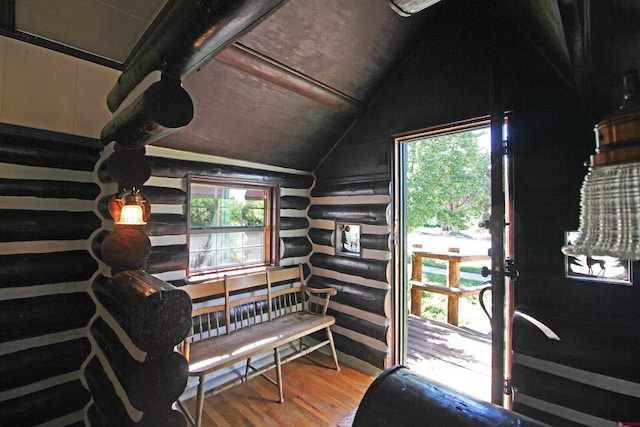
{"x":253,"y":314}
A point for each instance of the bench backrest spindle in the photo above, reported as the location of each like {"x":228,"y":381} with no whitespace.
{"x":248,"y":292}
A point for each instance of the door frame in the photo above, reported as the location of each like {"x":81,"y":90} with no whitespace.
{"x":496,"y":224}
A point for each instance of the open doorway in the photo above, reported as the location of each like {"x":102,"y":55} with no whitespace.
{"x":445,"y":200}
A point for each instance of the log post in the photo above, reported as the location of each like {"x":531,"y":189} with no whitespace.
{"x":453,"y":282}
{"x":416,"y":301}
{"x":416,"y":268}
{"x":189,"y":34}
{"x":453,"y":304}
{"x":154,"y":314}
{"x":161,"y":109}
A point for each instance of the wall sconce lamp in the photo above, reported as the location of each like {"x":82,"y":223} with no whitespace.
{"x":610,"y":196}
{"x":130,"y":208}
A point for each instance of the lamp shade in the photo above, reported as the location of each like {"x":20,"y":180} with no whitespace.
{"x":131,"y":215}
{"x":610,"y":195}
{"x":129,"y":208}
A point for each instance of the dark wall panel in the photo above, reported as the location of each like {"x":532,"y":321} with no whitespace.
{"x":45,"y":270}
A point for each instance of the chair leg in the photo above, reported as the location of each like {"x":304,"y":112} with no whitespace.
{"x":199,"y":403}
{"x":186,"y":413}
{"x":276,"y":356}
{"x":246,"y":370}
{"x":333,"y":349}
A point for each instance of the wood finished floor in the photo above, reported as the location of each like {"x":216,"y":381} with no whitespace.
{"x":315,"y":394}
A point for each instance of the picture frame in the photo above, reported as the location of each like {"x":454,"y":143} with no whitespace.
{"x":603,"y":269}
{"x":347,"y":239}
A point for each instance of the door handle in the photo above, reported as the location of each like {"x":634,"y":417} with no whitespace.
{"x":509,"y":270}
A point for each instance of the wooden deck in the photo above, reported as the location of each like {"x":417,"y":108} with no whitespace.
{"x":457,"y":357}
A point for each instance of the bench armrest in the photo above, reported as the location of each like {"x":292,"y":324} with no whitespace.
{"x":323,"y":302}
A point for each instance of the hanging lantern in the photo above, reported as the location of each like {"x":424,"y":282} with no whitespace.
{"x":610,"y":196}
{"x":129,"y":208}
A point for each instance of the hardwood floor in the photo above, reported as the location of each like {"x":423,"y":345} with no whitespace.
{"x":315,"y":394}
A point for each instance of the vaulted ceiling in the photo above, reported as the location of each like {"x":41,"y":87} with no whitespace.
{"x":285,"y":90}
{"x":324,"y":62}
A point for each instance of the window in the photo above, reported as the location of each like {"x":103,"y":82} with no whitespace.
{"x":231,"y":225}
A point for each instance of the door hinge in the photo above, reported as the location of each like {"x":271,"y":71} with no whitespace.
{"x":508,"y":389}
{"x":510,"y":269}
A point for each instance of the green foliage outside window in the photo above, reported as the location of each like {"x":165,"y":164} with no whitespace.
{"x":232,"y":213}
{"x":227,"y":226}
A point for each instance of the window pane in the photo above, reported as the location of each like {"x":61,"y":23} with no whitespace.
{"x":227,"y":226}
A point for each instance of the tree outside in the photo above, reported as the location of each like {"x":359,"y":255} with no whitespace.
{"x":449,"y":188}
{"x":448,"y":181}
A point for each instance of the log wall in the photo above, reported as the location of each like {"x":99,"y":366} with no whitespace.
{"x":134,"y":375}
{"x":167,"y":191}
{"x":362,"y":306}
{"x":54,"y":221}
{"x":47,"y":222}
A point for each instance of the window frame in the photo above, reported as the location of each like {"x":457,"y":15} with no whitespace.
{"x":271,"y":248}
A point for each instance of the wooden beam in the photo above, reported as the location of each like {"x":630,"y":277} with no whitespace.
{"x":188,"y":35}
{"x":321,"y":236}
{"x":17,"y":225}
{"x":175,"y":168}
{"x":34,"y":317}
{"x":29,"y":269}
{"x":369,"y":188}
{"x":295,"y":247}
{"x":365,"y":268}
{"x":163,"y":108}
{"x":374,"y":214}
{"x":43,"y":406}
{"x":294,"y":202}
{"x":364,"y":298}
{"x":268,"y":69}
{"x":360,"y":326}
{"x":293,"y":223}
{"x":168,"y":258}
{"x":109,"y":406}
{"x":360,"y":351}
{"x":42,"y":362}
{"x":24,"y":146}
{"x":49,"y":189}
{"x":166,"y":224}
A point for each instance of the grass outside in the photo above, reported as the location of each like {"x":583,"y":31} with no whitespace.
{"x":428,"y":262}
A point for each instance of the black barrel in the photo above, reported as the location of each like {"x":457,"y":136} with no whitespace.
{"x":398,"y":397}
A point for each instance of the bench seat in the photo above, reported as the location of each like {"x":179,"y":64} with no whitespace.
{"x":226,"y":350}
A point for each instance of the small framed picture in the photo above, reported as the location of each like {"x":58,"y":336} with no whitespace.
{"x":348,"y":239}
{"x":604,"y":269}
